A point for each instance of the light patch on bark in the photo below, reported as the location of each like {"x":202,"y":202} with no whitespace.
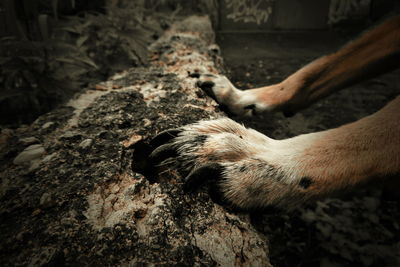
{"x":121,"y":202}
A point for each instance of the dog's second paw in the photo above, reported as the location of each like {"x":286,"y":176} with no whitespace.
{"x":231,"y":100}
{"x":244,"y":163}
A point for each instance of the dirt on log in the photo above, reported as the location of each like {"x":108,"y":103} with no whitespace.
{"x":68,"y":192}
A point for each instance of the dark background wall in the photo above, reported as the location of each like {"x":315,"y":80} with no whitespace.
{"x":270,"y":15}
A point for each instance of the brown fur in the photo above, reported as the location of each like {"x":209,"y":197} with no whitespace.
{"x":260,"y":171}
{"x":352,"y":154}
{"x":375,"y":52}
{"x":368,"y":148}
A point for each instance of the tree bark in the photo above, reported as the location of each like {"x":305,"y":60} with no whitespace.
{"x":70,"y":197}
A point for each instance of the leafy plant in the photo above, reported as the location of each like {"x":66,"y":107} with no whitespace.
{"x":37,"y":75}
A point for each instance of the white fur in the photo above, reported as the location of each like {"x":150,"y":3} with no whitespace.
{"x":259,"y":171}
{"x":236,"y":100}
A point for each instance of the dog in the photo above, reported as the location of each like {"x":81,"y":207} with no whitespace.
{"x":254,"y":171}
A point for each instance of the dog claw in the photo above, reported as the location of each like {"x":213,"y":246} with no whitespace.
{"x":164,"y":137}
{"x":162,"y":153}
{"x":207,"y":88}
{"x":201,"y":175}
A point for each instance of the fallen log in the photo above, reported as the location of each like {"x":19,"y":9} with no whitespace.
{"x":70,"y":197}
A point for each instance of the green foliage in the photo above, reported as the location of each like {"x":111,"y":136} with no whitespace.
{"x":114,"y":41}
{"x":37,"y":75}
{"x":34,"y":76}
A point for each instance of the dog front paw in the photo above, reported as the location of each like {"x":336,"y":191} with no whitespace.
{"x":243,"y":162}
{"x":231,"y":100}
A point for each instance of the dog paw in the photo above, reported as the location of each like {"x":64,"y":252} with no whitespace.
{"x":231,"y":100}
{"x":250,"y":169}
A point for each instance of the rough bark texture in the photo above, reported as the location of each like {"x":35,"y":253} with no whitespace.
{"x":69,"y":196}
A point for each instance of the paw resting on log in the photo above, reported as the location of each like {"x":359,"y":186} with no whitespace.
{"x":250,"y":170}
